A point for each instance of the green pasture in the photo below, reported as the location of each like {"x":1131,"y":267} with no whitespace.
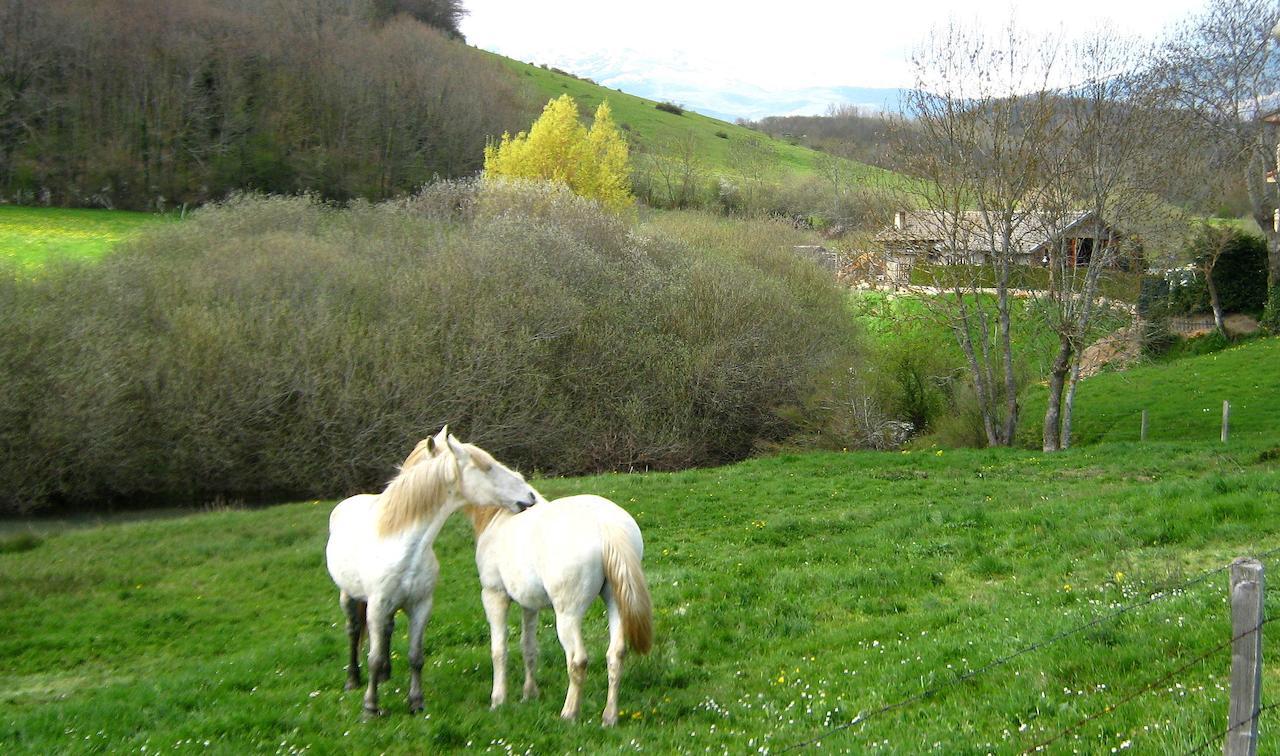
{"x":29,"y":236}
{"x":792,"y":593}
{"x":1183,"y":398}
{"x":910,"y":318}
{"x":656,"y":130}
{"x":1114,"y":284}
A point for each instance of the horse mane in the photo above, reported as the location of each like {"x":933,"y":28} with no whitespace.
{"x":482,"y":517}
{"x":417,"y":492}
{"x":422,"y":449}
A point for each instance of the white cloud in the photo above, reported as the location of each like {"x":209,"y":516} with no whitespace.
{"x":718,"y":46}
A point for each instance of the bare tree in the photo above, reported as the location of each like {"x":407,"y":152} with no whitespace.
{"x":1112,"y":141}
{"x":983,"y":114}
{"x":1223,"y":70}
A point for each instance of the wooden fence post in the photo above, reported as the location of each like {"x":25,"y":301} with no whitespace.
{"x":1226,"y":420}
{"x":1143,"y":436}
{"x":1246,"y":658}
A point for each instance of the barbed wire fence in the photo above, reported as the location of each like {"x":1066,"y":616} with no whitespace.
{"x":1214,"y":419}
{"x":1250,"y":720}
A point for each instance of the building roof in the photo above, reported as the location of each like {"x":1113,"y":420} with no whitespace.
{"x":1031,"y":232}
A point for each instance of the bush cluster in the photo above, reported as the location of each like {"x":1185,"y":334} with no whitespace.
{"x":1240,"y":275}
{"x":670,"y":107}
{"x":276,"y":347}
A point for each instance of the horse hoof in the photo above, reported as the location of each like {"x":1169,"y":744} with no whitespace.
{"x":415,"y":707}
{"x":368,"y":715}
{"x":384,"y":675}
{"x":569,"y":716}
{"x":530,"y":695}
{"x":353,"y":683}
{"x":608,"y":721}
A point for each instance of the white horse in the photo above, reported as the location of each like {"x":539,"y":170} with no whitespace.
{"x":380,"y":555}
{"x":563,"y":554}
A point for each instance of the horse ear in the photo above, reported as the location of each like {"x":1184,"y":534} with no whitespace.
{"x":459,"y":452}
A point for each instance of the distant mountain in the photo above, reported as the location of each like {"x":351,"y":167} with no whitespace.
{"x":682,"y":80}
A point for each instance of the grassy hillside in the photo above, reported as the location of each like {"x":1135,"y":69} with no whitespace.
{"x":654,"y":129}
{"x":30,"y":235}
{"x":1183,"y":398}
{"x":792,"y":593}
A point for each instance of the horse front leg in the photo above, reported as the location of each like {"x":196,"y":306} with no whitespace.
{"x":378,"y":619}
{"x":496,"y":603}
{"x":417,"y":628}
{"x":354,"y":609}
{"x":529,"y":649}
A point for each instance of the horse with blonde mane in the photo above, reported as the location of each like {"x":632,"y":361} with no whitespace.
{"x":380,"y":548}
{"x":563,"y":554}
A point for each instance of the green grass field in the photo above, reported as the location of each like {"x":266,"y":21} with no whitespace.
{"x":1183,"y":398}
{"x":791,"y":594}
{"x":29,"y":236}
{"x":655,"y":129}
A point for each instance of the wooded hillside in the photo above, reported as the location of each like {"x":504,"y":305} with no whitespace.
{"x":147,"y":104}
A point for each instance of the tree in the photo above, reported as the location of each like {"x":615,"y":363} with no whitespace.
{"x":983,"y":117}
{"x":1111,"y":144}
{"x":1223,"y":70}
{"x":594,"y":163}
{"x":445,"y":15}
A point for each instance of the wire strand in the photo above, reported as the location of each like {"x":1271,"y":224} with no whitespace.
{"x":1002,"y":660}
{"x":1110,"y":708}
{"x":1210,"y":741}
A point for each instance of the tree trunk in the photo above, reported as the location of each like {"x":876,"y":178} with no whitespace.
{"x":1070,"y":403}
{"x":1006,"y":348}
{"x":1052,"y":437}
{"x":1216,"y":304}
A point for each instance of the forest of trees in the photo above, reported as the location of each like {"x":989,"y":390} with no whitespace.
{"x":148,"y":104}
{"x":845,"y":130}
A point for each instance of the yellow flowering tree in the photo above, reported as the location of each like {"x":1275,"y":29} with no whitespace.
{"x":593,"y":162}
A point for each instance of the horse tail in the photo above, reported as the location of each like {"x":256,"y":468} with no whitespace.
{"x":626,"y":578}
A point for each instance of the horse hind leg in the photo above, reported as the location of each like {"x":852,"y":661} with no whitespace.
{"x":569,"y":628}
{"x":617,"y":649}
{"x":354,"y":609}
{"x":529,"y":650}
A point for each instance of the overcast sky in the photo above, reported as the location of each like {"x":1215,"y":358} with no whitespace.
{"x":776,"y":45}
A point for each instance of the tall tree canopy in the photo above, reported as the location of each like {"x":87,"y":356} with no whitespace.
{"x":445,"y":15}
{"x":150,"y":103}
{"x":593,"y":162}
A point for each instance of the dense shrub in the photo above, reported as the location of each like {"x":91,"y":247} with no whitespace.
{"x":670,"y":107}
{"x":273,"y":347}
{"x":1240,"y":275}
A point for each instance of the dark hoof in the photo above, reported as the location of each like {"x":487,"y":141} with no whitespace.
{"x":368,"y":715}
{"x":384,"y":675}
{"x":353,"y":683}
{"x":415,"y":707}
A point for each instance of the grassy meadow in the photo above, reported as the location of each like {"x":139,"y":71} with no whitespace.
{"x":657,"y":130}
{"x":29,"y":236}
{"x":1183,"y":398}
{"x":792,"y":593}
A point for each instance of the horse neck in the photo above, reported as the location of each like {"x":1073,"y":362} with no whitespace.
{"x":418,"y":501}
{"x":426,"y":530}
{"x":484,"y":519}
